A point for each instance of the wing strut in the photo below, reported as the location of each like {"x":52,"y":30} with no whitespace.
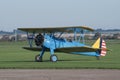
{"x":30,"y":38}
{"x":75,"y":34}
{"x":82,"y":36}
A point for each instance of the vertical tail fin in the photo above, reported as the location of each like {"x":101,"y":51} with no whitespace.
{"x":100,"y":44}
{"x":97,"y":44}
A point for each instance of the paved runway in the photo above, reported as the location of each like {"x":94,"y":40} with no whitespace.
{"x":59,"y":74}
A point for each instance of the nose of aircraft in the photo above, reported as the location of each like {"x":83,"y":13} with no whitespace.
{"x":39,"y":39}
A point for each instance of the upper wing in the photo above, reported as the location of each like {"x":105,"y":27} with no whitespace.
{"x":77,"y":49}
{"x":53,"y":29}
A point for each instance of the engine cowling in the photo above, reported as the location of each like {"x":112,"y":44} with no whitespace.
{"x":39,"y":39}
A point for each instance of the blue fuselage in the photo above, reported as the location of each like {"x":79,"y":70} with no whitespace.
{"x":53,"y":43}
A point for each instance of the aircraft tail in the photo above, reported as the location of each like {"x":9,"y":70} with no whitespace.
{"x":100,"y":44}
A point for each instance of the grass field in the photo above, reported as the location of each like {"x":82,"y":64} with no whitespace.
{"x":12,"y":56}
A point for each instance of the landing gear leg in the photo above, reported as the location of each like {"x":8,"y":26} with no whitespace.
{"x":38,"y":58}
{"x":53,"y":57}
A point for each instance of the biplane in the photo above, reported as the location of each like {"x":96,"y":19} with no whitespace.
{"x":51,"y":39}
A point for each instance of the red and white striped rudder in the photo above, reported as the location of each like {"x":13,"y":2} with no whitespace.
{"x":103,"y":48}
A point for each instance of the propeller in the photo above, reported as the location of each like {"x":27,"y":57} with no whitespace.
{"x":39,"y":39}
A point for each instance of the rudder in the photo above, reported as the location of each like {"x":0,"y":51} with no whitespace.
{"x":103,"y":48}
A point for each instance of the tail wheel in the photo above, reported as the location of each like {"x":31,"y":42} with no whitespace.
{"x":39,"y":39}
{"x":38,"y":58}
{"x":53,"y":58}
{"x":98,"y":57}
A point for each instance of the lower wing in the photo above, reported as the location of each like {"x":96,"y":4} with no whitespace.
{"x":77,"y":49}
{"x":65,"y":49}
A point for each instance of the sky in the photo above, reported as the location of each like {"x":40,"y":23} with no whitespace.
{"x":104,"y":14}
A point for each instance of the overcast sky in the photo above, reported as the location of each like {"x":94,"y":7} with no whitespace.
{"x":103,"y":14}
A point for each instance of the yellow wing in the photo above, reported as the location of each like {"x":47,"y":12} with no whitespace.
{"x":76,"y":49}
{"x":53,"y":29}
{"x":66,"y":49}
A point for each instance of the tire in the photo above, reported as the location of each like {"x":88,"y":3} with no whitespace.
{"x":38,"y":58}
{"x":98,"y":57}
{"x":53,"y":58}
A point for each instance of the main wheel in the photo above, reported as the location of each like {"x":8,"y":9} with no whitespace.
{"x":53,"y":58}
{"x":38,"y":58}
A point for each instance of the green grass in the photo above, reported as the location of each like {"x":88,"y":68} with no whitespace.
{"x":12,"y":56}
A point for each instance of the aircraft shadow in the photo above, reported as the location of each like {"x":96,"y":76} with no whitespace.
{"x":75,"y":60}
{"x":67,"y":60}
